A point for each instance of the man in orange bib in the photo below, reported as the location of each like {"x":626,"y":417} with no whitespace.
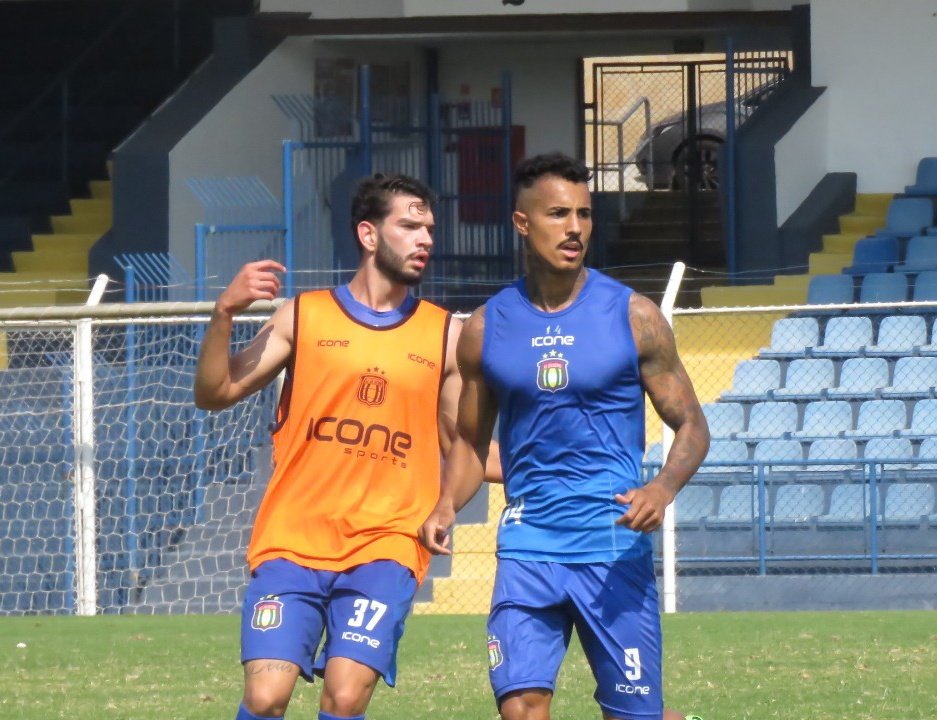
{"x":367,"y":408}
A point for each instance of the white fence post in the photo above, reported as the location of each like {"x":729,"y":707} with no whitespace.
{"x":83,"y":423}
{"x":668,"y":538}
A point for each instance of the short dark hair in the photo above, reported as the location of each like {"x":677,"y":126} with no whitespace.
{"x":371,"y":202}
{"x":531,"y":169}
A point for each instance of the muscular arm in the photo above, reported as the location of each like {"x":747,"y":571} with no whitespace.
{"x":222,"y":379}
{"x":671,"y":392}
{"x":449,"y":405}
{"x":468,"y":456}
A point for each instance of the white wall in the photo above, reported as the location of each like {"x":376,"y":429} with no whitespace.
{"x":879,"y":61}
{"x":242,"y":135}
{"x":801,"y":158}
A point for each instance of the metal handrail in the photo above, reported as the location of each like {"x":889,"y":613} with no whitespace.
{"x":644,"y":102}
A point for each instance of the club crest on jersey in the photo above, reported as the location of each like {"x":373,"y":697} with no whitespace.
{"x":552,"y":372}
{"x":268,"y":613}
{"x":495,"y":656}
{"x":372,"y":387}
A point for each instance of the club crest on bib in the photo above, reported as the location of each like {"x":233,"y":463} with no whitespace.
{"x":495,"y":657}
{"x":372,"y":387}
{"x":552,"y":372}
{"x":268,"y":613}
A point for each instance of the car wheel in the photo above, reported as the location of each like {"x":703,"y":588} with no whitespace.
{"x":707,"y":159}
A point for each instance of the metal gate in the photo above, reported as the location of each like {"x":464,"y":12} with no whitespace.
{"x":463,"y":150}
{"x":657,"y":132}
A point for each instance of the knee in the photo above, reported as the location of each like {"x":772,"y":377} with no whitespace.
{"x":526,"y":705}
{"x":265,"y":701}
{"x":344,"y":701}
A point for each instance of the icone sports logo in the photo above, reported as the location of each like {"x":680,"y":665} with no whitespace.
{"x":372,"y":442}
{"x":333,"y":343}
{"x":359,"y":638}
{"x":551,"y":337}
{"x":421,"y":361}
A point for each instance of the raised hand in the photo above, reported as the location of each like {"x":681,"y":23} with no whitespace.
{"x":254,"y":281}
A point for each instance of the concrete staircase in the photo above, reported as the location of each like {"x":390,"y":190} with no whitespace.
{"x":836,"y":254}
{"x":657,"y":234}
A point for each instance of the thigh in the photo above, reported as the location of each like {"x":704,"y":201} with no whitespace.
{"x":284,"y":614}
{"x":618,"y":622}
{"x":529,"y":628}
{"x":366,"y":616}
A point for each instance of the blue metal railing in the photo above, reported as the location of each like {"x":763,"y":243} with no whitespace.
{"x":872,"y":524}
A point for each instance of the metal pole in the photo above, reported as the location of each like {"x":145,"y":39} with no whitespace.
{"x":200,"y":233}
{"x":668,"y":530}
{"x":288,"y":216}
{"x":130,"y":487}
{"x":507,"y":170}
{"x":873,"y":519}
{"x":365,"y":119}
{"x":728,"y":181}
{"x":762,"y":531}
{"x":85,"y":503}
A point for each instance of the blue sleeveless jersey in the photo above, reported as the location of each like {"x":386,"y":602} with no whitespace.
{"x":571,"y":423}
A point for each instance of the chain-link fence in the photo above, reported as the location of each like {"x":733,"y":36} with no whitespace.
{"x":818,"y":490}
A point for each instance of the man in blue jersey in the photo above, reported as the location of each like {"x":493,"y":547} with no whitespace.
{"x":565,"y":356}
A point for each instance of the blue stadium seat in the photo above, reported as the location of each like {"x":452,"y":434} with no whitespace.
{"x":925,"y":182}
{"x":654,"y":455}
{"x":844,"y":337}
{"x":879,"y":418}
{"x":860,"y":379}
{"x":726,"y":451}
{"x":737,"y":506}
{"x":883,"y":288}
{"x":775,"y":454}
{"x":769,"y":419}
{"x":830,"y":290}
{"x":908,"y":504}
{"x":724,"y":418}
{"x":873,"y":255}
{"x":923,"y":420}
{"x":838,"y":451}
{"x":914,"y":378}
{"x":851,"y":505}
{"x":824,"y":418}
{"x":930,"y":348}
{"x":754,"y":379}
{"x":898,"y":335}
{"x":920,"y":256}
{"x":797,"y":503}
{"x":791,"y":337}
{"x":806,"y":380}
{"x":693,"y":504}
{"x":925,"y":290}
{"x":895,"y":453}
{"x":907,"y":217}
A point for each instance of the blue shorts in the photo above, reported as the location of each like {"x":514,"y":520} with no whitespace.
{"x":613,"y":607}
{"x":362,"y":611}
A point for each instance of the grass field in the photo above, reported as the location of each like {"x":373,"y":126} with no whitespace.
{"x":732,"y":666}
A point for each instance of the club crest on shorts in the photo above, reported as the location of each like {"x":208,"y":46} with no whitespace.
{"x":552,"y":372}
{"x":495,"y":657}
{"x":372,"y":387}
{"x":268,"y":613}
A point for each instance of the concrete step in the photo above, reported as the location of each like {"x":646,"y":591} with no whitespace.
{"x":102,"y":207}
{"x":86,"y":223}
{"x":828,"y":263}
{"x":841,"y":242}
{"x":101,"y":189}
{"x":51,"y":261}
{"x":64,"y":242}
{"x":860,"y":223}
{"x":873,"y":203}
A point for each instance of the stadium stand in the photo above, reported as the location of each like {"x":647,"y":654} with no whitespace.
{"x":914,"y":377}
{"x":724,"y":418}
{"x":879,"y":418}
{"x":921,"y":255}
{"x":925,"y":182}
{"x":873,"y":255}
{"x":754,"y":379}
{"x":898,"y":335}
{"x":806,"y":379}
{"x":792,"y":338}
{"x":824,"y":418}
{"x":860,"y":378}
{"x":844,"y":337}
{"x":769,"y":419}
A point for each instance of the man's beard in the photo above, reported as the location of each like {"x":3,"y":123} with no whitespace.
{"x":393,"y":266}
